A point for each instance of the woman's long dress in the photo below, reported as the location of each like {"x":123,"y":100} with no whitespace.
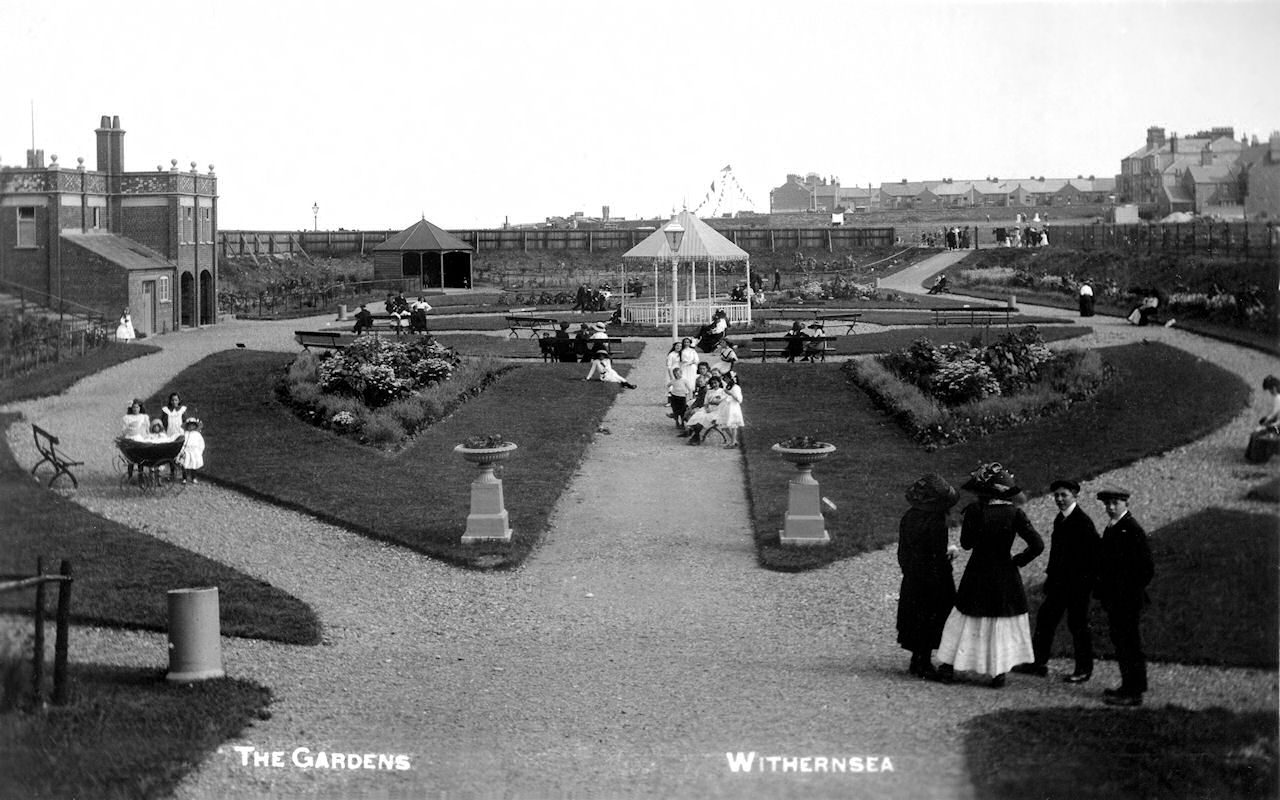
{"x":928,"y":589}
{"x":988,"y":631}
{"x":730,"y":412}
{"x":124,"y":331}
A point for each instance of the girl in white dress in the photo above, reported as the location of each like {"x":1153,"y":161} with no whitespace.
{"x":729,"y":417}
{"x":136,"y":422}
{"x":602,"y":364}
{"x":191,"y":457}
{"x":124,"y":330}
{"x":172,"y":415}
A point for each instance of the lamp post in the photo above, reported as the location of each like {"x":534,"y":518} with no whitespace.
{"x":315,"y":216}
{"x":675,"y":234}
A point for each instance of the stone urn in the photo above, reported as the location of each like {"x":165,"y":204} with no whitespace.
{"x":488,"y":521}
{"x":804,"y":524}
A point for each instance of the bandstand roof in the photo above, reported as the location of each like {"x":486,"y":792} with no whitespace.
{"x":701,"y":243}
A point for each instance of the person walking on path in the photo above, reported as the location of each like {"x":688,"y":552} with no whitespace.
{"x":928,"y":588}
{"x":987,"y":632}
{"x":1072,"y":571}
{"x":1125,"y":570}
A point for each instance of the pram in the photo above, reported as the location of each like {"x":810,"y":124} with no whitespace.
{"x":139,"y":462}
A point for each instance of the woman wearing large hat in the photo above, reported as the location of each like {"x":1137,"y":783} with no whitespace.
{"x":928,"y":589}
{"x":988,"y":631}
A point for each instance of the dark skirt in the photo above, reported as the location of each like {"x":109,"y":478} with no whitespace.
{"x":923,"y":605}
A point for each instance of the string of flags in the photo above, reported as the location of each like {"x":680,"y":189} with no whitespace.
{"x":725,"y":180}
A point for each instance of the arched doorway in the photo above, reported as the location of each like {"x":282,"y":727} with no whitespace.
{"x":187,"y":301}
{"x":208,"y":305}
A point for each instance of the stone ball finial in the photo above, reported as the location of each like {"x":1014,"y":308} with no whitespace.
{"x":80,"y":160}
{"x":193,"y":166}
{"x":173,"y":162}
{"x":210,"y":169}
{"x":54,"y":160}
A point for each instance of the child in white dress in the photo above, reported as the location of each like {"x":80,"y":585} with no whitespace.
{"x":191,"y":458}
{"x":602,"y":364}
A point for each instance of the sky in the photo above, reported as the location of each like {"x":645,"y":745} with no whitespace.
{"x":472,"y":114}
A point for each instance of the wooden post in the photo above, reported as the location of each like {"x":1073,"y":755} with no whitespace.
{"x":37,"y":658}
{"x":61,"y":643}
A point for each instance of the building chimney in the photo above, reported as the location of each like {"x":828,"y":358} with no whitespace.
{"x":110,"y":146}
{"x":1173,"y":143}
{"x":35,"y":159}
{"x":1155,"y":137}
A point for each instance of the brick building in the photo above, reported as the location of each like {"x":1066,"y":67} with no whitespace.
{"x":107,"y":239}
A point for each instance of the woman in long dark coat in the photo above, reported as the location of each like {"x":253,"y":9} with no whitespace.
{"x":928,"y":588}
{"x":988,"y":632}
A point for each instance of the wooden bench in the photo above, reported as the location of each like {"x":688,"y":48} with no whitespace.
{"x":985,"y":315}
{"x":321,"y":340}
{"x":814,"y":347}
{"x":550,"y":346}
{"x":535,"y":325}
{"x":47,"y":444}
{"x":817,"y":315}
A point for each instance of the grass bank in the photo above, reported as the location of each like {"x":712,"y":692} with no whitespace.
{"x":127,"y":734}
{"x":1134,"y":415}
{"x":56,"y":378}
{"x":418,"y":497}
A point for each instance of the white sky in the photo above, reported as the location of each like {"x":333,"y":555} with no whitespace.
{"x":472,"y":112}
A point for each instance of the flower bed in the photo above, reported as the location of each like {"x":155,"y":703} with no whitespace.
{"x":944,"y":394}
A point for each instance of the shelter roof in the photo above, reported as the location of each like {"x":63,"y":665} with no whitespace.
{"x":119,"y":250}
{"x":422,"y":235}
{"x":701,"y":242}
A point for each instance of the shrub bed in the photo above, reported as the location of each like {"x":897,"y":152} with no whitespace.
{"x":949,"y":393}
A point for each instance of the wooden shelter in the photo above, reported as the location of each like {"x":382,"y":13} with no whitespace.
{"x":432,"y":255}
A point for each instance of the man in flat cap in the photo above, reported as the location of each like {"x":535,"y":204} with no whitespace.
{"x":1072,"y":570}
{"x":1124,"y":571}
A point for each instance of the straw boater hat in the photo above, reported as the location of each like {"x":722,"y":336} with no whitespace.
{"x":598,"y":326}
{"x":932,"y":493}
{"x":992,"y":480}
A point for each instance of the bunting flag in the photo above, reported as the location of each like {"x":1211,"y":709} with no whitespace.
{"x":726,"y":176}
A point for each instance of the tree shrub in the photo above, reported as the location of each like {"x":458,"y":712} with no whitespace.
{"x":378,"y":370}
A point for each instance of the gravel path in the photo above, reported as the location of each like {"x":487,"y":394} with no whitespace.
{"x":637,"y":646}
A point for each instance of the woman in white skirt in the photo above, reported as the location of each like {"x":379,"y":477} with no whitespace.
{"x":988,"y":631}
{"x":124,"y":329}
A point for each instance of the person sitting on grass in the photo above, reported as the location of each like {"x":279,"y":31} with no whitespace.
{"x":602,"y":364}
{"x":704,"y":418}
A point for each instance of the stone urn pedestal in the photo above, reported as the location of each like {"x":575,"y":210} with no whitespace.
{"x":488,"y":520}
{"x":805,"y":526}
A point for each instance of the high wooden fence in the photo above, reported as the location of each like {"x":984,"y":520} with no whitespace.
{"x":327,"y":244}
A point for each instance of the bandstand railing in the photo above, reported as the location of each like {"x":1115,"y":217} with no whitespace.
{"x":657,"y":311}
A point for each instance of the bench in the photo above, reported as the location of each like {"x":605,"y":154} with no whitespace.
{"x":845,"y":318}
{"x":47,"y":444}
{"x":535,"y":325}
{"x":321,"y":340}
{"x":814,"y":347}
{"x":550,"y":346}
{"x":972,"y":316}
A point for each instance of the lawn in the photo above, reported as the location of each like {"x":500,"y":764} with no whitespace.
{"x":1134,"y":416}
{"x":1213,"y":548}
{"x":544,"y":408}
{"x":1168,"y":753}
{"x":127,"y":734}
{"x":121,"y":575}
{"x":56,"y":378}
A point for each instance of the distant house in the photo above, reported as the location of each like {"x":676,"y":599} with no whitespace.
{"x":813,"y":193}
{"x":1196,"y":174}
{"x":907,"y":194}
{"x":106,"y":239}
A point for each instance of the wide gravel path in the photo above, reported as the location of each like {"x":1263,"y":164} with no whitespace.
{"x":638,"y":645}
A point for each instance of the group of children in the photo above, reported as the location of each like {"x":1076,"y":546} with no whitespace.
{"x":172,"y":423}
{"x":703,"y":396}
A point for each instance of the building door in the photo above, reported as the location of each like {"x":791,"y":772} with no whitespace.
{"x":145,"y":319}
{"x":187,"y":301}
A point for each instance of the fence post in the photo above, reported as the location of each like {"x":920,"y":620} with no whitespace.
{"x":37,"y":658}
{"x":61,"y":643}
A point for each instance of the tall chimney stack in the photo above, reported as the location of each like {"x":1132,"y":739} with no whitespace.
{"x":110,"y":146}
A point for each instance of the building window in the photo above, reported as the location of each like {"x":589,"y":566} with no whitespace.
{"x":186,"y":234}
{"x":97,"y":217}
{"x":206,"y":225}
{"x":26,"y":226}
{"x":162,"y":290}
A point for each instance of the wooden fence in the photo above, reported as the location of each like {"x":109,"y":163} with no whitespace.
{"x":326,"y":244}
{"x":62,"y":627}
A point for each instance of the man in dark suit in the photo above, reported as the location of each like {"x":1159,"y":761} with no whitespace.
{"x":364,"y":320}
{"x":1124,"y":571}
{"x":1072,"y":570}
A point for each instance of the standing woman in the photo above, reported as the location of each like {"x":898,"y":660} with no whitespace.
{"x":673,"y":358}
{"x":124,"y":330}
{"x":689,"y":360}
{"x":172,"y":415}
{"x":928,"y":588}
{"x":729,"y":417}
{"x":988,"y":632}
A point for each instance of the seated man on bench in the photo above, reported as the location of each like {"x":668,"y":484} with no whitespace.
{"x":795,"y":342}
{"x":364,"y":320}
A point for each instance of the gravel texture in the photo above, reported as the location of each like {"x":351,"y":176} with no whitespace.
{"x":636,"y":647}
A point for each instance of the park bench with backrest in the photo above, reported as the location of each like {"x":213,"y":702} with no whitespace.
{"x":819,"y":318}
{"x":811,"y":348}
{"x":321,"y":340}
{"x":550,"y":346}
{"x":47,"y":444}
{"x":536,"y":326}
{"x":972,"y":316}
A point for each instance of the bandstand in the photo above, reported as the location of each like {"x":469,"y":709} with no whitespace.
{"x":684,"y":279}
